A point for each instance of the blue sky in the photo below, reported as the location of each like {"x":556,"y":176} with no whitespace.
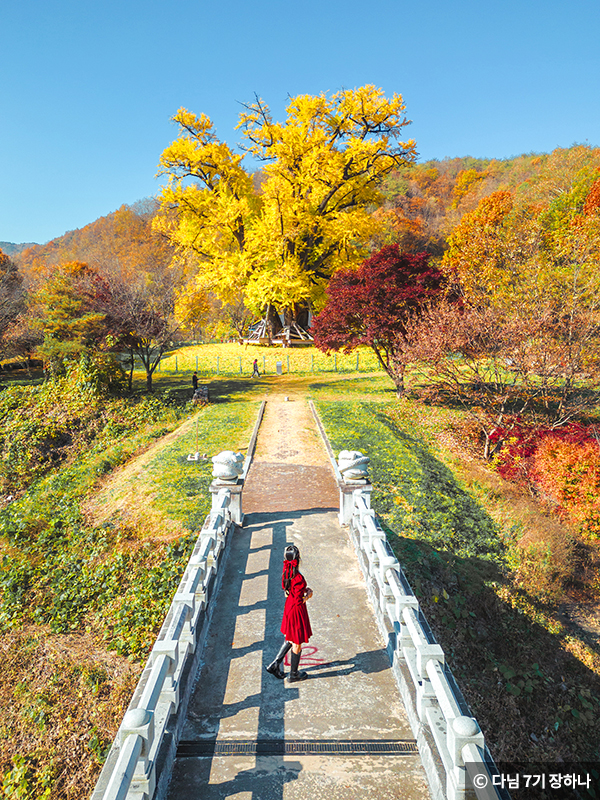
{"x":87,"y":89}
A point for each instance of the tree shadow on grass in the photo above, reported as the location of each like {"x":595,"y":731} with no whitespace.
{"x":533,"y":686}
{"x":21,"y":377}
{"x":521,"y":671}
{"x":416,"y":492}
{"x":225,"y":390}
{"x":472,"y":394}
{"x":356,"y":384}
{"x":221,"y":390}
{"x":528,"y":681}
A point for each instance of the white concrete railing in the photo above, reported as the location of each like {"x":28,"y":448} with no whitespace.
{"x":426,"y":683}
{"x":130,"y":771}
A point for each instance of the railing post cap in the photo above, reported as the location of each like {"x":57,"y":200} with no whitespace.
{"x":465,"y":726}
{"x":136,"y":718}
{"x":353,"y":466}
{"x":228,"y":466}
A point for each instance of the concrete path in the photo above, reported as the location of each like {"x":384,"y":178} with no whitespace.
{"x":349,"y":696}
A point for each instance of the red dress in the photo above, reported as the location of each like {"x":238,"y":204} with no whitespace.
{"x":295,"y":625}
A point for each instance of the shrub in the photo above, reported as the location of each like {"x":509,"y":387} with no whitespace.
{"x":569,"y":472}
{"x":562,"y":464}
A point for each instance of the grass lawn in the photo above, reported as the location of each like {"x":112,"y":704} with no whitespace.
{"x":236,"y":359}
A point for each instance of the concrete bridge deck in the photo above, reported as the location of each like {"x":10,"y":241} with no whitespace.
{"x":251,"y":736}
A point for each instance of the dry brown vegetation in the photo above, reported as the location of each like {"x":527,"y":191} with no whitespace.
{"x":126,"y":495}
{"x":67,"y":690}
{"x":557,"y":565}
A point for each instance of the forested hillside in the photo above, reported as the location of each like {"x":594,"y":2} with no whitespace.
{"x":109,"y":290}
{"x":425,"y":202}
{"x":419,"y":207}
{"x":120,"y":242}
{"x":514,"y":338}
{"x":11,"y":249}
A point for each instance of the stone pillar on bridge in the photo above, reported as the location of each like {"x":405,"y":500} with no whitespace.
{"x":352,"y":465}
{"x":227,"y":473}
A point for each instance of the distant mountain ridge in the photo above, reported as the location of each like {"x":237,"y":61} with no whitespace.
{"x":421,"y":205}
{"x":9,"y":248}
{"x":120,"y":241}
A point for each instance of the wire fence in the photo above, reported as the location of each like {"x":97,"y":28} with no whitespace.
{"x":272,"y":363}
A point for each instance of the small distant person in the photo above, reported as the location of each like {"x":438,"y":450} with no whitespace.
{"x":195,"y":381}
{"x":295,"y":625}
{"x":255,"y":372}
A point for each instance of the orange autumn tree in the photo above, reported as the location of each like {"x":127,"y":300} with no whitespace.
{"x":66,"y":310}
{"x":569,"y":473}
{"x":529,"y":318}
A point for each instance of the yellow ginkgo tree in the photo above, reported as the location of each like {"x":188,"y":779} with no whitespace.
{"x":279,"y":242}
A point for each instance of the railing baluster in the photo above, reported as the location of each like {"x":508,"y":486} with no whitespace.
{"x":133,"y":756}
{"x":457,"y":737}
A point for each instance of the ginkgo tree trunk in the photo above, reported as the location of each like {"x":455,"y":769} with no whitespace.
{"x":280,"y":244}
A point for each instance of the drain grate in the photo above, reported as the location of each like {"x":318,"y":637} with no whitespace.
{"x":296,"y":747}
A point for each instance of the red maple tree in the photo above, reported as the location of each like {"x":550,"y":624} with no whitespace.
{"x":371,"y":305}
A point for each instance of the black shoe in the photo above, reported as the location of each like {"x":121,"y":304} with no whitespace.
{"x":295,"y":675}
{"x":276,"y":670}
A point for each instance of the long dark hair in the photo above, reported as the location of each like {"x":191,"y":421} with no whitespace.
{"x":291,"y":560}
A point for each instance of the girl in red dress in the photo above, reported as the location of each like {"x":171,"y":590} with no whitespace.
{"x":295,"y":625}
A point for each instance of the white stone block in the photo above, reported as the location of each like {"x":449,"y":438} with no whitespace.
{"x":430,"y":652}
{"x":460,"y":732}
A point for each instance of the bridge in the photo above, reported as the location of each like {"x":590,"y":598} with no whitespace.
{"x":380,"y":715}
